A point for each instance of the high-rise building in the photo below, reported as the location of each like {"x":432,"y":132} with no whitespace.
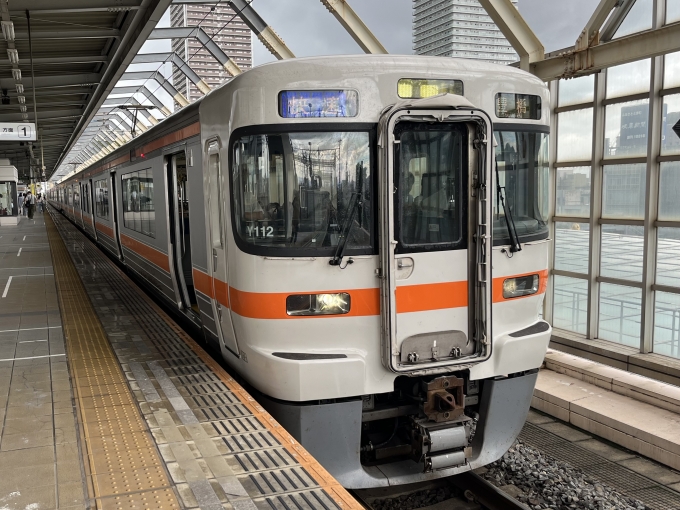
{"x":459,"y":28}
{"x":226,"y":29}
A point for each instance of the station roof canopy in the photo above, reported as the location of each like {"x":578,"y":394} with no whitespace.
{"x":61,"y":59}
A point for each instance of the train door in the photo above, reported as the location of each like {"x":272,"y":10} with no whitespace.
{"x":180,"y":234}
{"x":217,"y":262}
{"x":114,"y":213}
{"x":90,"y":199}
{"x":435,"y":239}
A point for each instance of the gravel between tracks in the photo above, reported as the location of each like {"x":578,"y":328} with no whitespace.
{"x":545,"y":483}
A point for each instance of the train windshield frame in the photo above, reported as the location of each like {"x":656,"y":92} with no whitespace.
{"x":292,"y":187}
{"x":522,"y":165}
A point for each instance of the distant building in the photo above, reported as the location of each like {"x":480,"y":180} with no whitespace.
{"x":459,"y":28}
{"x":234,"y":39}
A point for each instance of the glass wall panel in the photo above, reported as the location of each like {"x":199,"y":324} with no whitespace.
{"x":639,"y":18}
{"x":623,"y":191}
{"x":570,"y":304}
{"x":622,"y":249}
{"x":573,"y":191}
{"x":620,"y":309}
{"x":671,"y":69}
{"x":576,"y":90}
{"x":668,"y":257}
{"x":670,"y":142}
{"x":667,"y":324}
{"x":669,"y":191}
{"x":627,"y":79}
{"x":672,"y":11}
{"x":626,"y":129}
{"x":575,"y":135}
{"x":571,"y":246}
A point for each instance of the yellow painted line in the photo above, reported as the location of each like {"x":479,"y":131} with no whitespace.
{"x":125,"y":468}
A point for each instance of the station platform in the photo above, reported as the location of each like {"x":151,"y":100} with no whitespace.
{"x":106,"y":403}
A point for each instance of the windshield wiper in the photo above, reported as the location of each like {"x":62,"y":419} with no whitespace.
{"x":509,"y":222}
{"x":346,"y":229}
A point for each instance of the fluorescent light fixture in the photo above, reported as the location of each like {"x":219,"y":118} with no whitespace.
{"x":8,"y":30}
{"x":23,"y":108}
{"x":20,"y":88}
{"x":13,"y":55}
{"x":16,"y":74}
{"x":24,"y":116}
{"x":21,"y":99}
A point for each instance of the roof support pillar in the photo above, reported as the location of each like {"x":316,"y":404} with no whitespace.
{"x":515,"y":29}
{"x":355,"y":26}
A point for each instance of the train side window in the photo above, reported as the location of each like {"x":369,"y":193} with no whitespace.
{"x":102,"y":198}
{"x":138,"y":202}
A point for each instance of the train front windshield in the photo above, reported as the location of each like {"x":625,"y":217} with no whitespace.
{"x":522,"y":164}
{"x":294,"y":192}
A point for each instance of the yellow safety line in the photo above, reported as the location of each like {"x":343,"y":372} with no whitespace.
{"x":126,"y":471}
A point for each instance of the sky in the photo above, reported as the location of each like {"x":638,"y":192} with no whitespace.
{"x":309,"y":29}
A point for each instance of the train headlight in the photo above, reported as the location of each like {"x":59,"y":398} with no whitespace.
{"x":318,"y":304}
{"x":521,"y":286}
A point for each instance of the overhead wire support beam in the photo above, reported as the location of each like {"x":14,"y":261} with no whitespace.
{"x":264,"y":32}
{"x":619,"y":51}
{"x":147,"y":94}
{"x":355,"y":26}
{"x":516,"y":30}
{"x":184,"y":33}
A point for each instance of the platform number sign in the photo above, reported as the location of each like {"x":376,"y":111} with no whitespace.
{"x":15,"y":131}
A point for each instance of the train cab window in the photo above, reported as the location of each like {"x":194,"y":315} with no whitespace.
{"x":430,"y":174}
{"x":101,"y":198}
{"x":297,"y":192}
{"x":138,"y":202}
{"x":523,"y":174}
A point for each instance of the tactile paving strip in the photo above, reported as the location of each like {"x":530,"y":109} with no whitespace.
{"x":125,"y":467}
{"x":215,"y":439}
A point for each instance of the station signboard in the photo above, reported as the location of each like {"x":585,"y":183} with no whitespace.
{"x":17,"y":131}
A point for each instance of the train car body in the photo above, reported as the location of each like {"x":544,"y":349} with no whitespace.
{"x":365,"y":240}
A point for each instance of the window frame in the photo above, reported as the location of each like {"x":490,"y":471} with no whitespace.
{"x":130,"y":175}
{"x":305,"y":127}
{"x":462,"y":195}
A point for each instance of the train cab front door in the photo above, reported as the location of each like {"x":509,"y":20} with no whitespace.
{"x":435,"y":250}
{"x":217,"y":254}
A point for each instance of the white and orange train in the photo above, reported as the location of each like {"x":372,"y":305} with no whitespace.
{"x":364,"y":238}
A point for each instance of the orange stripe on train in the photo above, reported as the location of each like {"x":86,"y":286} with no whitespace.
{"x":147,"y":252}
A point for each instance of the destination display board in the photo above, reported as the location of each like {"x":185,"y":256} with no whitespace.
{"x":17,"y":131}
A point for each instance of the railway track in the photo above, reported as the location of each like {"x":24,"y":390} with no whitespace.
{"x":467,"y":491}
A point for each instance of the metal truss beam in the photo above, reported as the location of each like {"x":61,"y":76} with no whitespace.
{"x":515,"y":29}
{"x":102,"y":33}
{"x":185,"y":32}
{"x":619,"y":51}
{"x":264,"y":32}
{"x":615,"y":20}
{"x":354,"y":26}
{"x":75,"y":5}
{"x":590,"y":35}
{"x":83,"y":59}
{"x":174,"y":58}
{"x":64,"y":80}
{"x":155,"y":75}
